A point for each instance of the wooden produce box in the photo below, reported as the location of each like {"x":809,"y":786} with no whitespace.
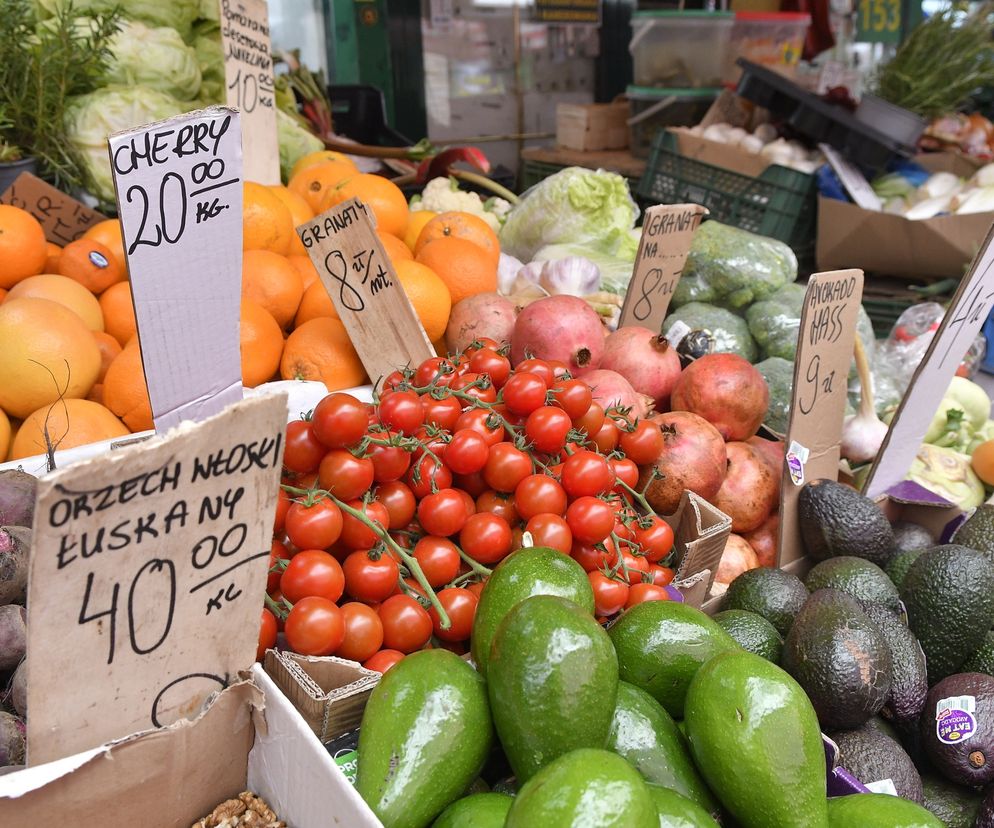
{"x":592,"y":127}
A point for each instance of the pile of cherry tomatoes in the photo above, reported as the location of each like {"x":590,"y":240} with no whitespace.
{"x":392,"y":514}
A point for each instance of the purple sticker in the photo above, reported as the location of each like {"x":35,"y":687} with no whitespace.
{"x":954,"y":726}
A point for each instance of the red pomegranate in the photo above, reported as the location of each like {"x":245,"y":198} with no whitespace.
{"x":764,"y":540}
{"x":749,"y":491}
{"x":726,"y":391}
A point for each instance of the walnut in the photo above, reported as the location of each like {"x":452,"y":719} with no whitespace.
{"x":248,"y":811}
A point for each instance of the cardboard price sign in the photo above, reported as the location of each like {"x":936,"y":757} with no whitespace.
{"x":967,"y":312}
{"x":821,"y":373}
{"x":667,"y":232}
{"x":179,"y":195}
{"x":62,"y":217}
{"x":370,"y":301}
{"x":852,"y":179}
{"x":148,"y":574}
{"x":248,"y":75}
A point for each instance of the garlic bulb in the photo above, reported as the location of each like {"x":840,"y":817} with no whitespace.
{"x":863,"y":433}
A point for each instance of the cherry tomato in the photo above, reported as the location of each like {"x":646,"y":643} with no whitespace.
{"x":429,"y":444}
{"x":606,"y":439}
{"x":498,"y":504}
{"x":546,"y":429}
{"x":539,"y":493}
{"x":488,"y":361}
{"x":590,"y":519}
{"x":639,"y":593}
{"x":460,"y":605}
{"x":355,"y":533}
{"x":486,"y":538}
{"x":625,"y":471}
{"x":312,"y":572}
{"x":506,"y":466}
{"x":655,"y":540}
{"x":283,"y":504}
{"x":466,"y":452}
{"x":437,"y":370}
{"x":477,"y":587}
{"x":643,"y":444}
{"x":439,"y":559}
{"x":370,"y":580}
{"x":345,"y":475}
{"x":383,"y":660}
{"x":302,"y":451}
{"x":442,"y":513}
{"x":592,"y":557}
{"x":538,"y":367}
{"x":423,"y":473}
{"x":339,"y":420}
{"x":473,"y":484}
{"x":476,"y":386}
{"x":610,"y":594}
{"x":406,"y":624}
{"x":573,"y":396}
{"x":636,"y":565}
{"x":481,"y":342}
{"x":468,"y":500}
{"x":314,"y":527}
{"x":277,"y":552}
{"x":552,"y":531}
{"x":402,"y":411}
{"x":586,"y":473}
{"x":392,"y":381}
{"x":314,"y":627}
{"x":399,"y":501}
{"x":591,"y":420}
{"x":661,"y":575}
{"x":524,"y":392}
{"x":363,"y":632}
{"x":267,"y":634}
{"x":476,"y":419}
{"x":443,"y":413}
{"x":389,"y":462}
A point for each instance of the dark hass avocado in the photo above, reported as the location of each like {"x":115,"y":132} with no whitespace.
{"x":960,"y":743}
{"x":677,"y":811}
{"x":909,"y":682}
{"x":878,"y":811}
{"x":753,"y":632}
{"x":898,"y":566}
{"x":908,"y":536}
{"x":837,"y":520}
{"x":978,"y":531}
{"x":871,"y":757}
{"x":881,"y":725}
{"x":772,"y":593}
{"x":985,"y":816}
{"x":858,"y":577}
{"x":479,"y":810}
{"x":982,"y":660}
{"x":949,"y":595}
{"x":955,"y":805}
{"x":839,"y":657}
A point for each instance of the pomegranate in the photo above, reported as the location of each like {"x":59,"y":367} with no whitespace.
{"x":726,"y":391}
{"x":749,"y":491}
{"x":646,"y":360}
{"x":609,"y":388}
{"x":764,"y":540}
{"x":559,"y":327}
{"x":693,"y":457}
{"x":483,"y":315}
{"x":736,"y":559}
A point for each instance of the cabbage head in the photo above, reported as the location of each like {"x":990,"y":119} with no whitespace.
{"x":156,"y":58}
{"x":295,"y":142}
{"x":176,"y":14}
{"x":210,"y":57}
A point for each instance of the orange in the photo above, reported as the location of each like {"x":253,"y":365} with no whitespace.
{"x":66,"y":292}
{"x":316,"y":304}
{"x":465,"y":268}
{"x":3,"y":295}
{"x":5,"y":438}
{"x":68,"y":424}
{"x":15,"y":426}
{"x":119,"y":312}
{"x":300,"y":212}
{"x":261,"y":344}
{"x":313,"y":183}
{"x":90,"y":263}
{"x":416,"y":223}
{"x":321,"y":350}
{"x":377,"y":193}
{"x":313,"y":159}
{"x":395,"y":249}
{"x":460,"y":226}
{"x":125,"y":392}
{"x":109,"y":349}
{"x":273,"y":282}
{"x":23,"y":249}
{"x":305,"y":267}
{"x":108,"y":233}
{"x":47,"y":352}
{"x":429,"y":296}
{"x":266,"y":221}
{"x":96,"y":393}
{"x":52,"y":259}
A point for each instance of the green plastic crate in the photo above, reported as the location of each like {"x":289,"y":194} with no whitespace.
{"x":780,"y":203}
{"x":531,"y":172}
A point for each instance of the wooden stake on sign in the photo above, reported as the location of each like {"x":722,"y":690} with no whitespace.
{"x":964,"y":317}
{"x":147,"y":578}
{"x":62,"y":217}
{"x":179,"y":195}
{"x":667,"y":231}
{"x":821,"y":378}
{"x":248,"y":77}
{"x":361,"y":282}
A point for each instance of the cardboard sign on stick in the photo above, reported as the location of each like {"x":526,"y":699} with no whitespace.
{"x":369,"y":298}
{"x":62,"y":217}
{"x":821,"y":377}
{"x":966,"y":314}
{"x":179,"y":195}
{"x":667,"y":231}
{"x":147,"y":578}
{"x":248,"y":76}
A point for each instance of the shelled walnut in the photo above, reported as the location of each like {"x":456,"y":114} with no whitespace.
{"x":248,"y":811}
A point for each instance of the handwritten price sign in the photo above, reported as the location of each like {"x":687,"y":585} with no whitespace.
{"x":63,"y":218}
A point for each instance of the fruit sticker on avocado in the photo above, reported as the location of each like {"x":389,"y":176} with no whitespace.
{"x":797,"y":456}
{"x":954,"y":719}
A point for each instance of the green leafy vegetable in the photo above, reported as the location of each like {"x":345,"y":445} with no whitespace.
{"x":156,"y":58}
{"x":176,"y":14}
{"x":295,"y":142}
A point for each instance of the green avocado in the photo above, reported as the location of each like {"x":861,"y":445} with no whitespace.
{"x":954,"y":805}
{"x":677,"y":811}
{"x":871,"y":756}
{"x":585,"y":788}
{"x":957,"y":728}
{"x":552,"y":683}
{"x":837,"y":520}
{"x":864,"y":581}
{"x":878,"y":811}
{"x":481,"y":810}
{"x":982,"y":660}
{"x":661,"y":644}
{"x":909,"y":679}
{"x":978,"y":531}
{"x":534,"y":571}
{"x":753,"y":633}
{"x":897,"y":567}
{"x":424,"y":737}
{"x":755,"y":738}
{"x":772,"y":593}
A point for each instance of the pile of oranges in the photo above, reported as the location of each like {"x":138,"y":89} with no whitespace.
{"x":70,"y":362}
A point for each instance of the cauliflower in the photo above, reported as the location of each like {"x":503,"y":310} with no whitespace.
{"x":443,"y":194}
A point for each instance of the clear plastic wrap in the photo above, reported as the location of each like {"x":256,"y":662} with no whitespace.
{"x":729,"y":332}
{"x":779,"y":376}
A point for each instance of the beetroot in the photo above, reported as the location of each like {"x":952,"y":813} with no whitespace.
{"x":609,"y":388}
{"x":693,"y":457}
{"x":749,"y":492}
{"x":12,"y":740}
{"x":15,"y":541}
{"x":17,"y":498}
{"x":19,"y":689}
{"x":13,"y":635}
{"x":736,"y":559}
{"x":726,"y":391}
{"x":559,"y":327}
{"x":646,"y":360}
{"x":483,"y":315}
{"x":764,"y":540}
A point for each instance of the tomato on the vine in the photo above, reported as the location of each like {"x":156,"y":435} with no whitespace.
{"x":267,"y":634}
{"x":443,"y":413}
{"x":476,"y":386}
{"x":573,"y":396}
{"x":439,"y":370}
{"x":423,"y":473}
{"x":473,"y":484}
{"x":661,"y":575}
{"x":476,"y":419}
{"x":538,"y":367}
{"x":302,"y":451}
{"x":477,"y":587}
{"x":389,"y":462}
{"x":590,"y":519}
{"x":524,"y":392}
{"x":546,"y":429}
{"x":383,"y":660}
{"x":277,"y":552}
{"x":643,"y":443}
{"x":460,"y":605}
{"x":283,"y":504}
{"x":370,"y":579}
{"x":344,"y":475}
{"x":655,"y":540}
{"x":640,"y":592}
{"x":539,"y":493}
{"x":610,"y":594}
{"x":606,"y":439}
{"x":314,"y":627}
{"x":355,"y":533}
{"x":591,"y":420}
{"x":442,"y":513}
{"x":494,"y":365}
{"x":587,"y":473}
{"x":406,"y":624}
{"x":339,"y":420}
{"x":392,"y":381}
{"x":363,"y":632}
{"x":438,"y":558}
{"x":398,"y":499}
{"x":316,"y":526}
{"x":498,"y":503}
{"x":636,"y":565}
{"x":592,"y":557}
{"x":486,"y":538}
{"x":467,"y":451}
{"x":626,"y":472}
{"x":312,"y":572}
{"x":552,"y":531}
{"x":506,"y":466}
{"x":401,"y":411}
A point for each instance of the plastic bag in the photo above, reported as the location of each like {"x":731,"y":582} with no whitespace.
{"x":779,"y":376}
{"x":729,"y":332}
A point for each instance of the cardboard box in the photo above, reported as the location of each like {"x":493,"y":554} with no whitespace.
{"x":718,"y":154}
{"x":592,"y":127}
{"x":699,"y":533}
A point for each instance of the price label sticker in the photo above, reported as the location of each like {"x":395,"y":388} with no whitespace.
{"x":62,"y":217}
{"x":148,"y":570}
{"x":179,"y":195}
{"x":248,"y":75}
{"x":667,"y":231}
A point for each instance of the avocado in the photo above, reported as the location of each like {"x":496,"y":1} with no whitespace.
{"x":863,"y":580}
{"x":754,"y":736}
{"x":982,"y":660}
{"x":772,"y":593}
{"x":909,"y":536}
{"x":909,"y":680}
{"x":538,"y":570}
{"x":661,"y":644}
{"x":837,"y":520}
{"x":949,"y":595}
{"x":985,"y":816}
{"x":954,"y":805}
{"x":871,"y":756}
{"x":839,"y":657}
{"x":957,"y":728}
{"x":753,"y":633}
{"x":677,"y":811}
{"x":898,"y":566}
{"x":480,"y":810}
{"x":881,"y":725}
{"x":978,"y":531}
{"x":643,"y":733}
{"x":582,"y":789}
{"x":552,"y":683}
{"x":424,"y":737}
{"x":874,"y":810}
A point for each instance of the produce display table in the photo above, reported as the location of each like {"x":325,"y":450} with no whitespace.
{"x":540,"y":162}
